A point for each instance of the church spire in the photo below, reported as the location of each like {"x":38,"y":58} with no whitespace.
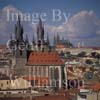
{"x":54,"y":40}
{"x":48,"y":42}
{"x":26,"y":39}
{"x":58,"y":38}
{"x":19,"y":19}
{"x":33,"y":39}
{"x":19,"y":30}
{"x":40,"y":30}
{"x":40,"y":22}
{"x":40,"y":36}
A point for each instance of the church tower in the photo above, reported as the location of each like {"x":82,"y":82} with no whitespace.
{"x":58,"y":38}
{"x":19,"y":31}
{"x":54,"y":41}
{"x":40,"y":36}
{"x":20,"y":52}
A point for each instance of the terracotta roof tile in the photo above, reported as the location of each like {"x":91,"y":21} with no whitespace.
{"x":44,"y":58}
{"x":51,"y":98}
{"x":96,"y":87}
{"x":60,"y":46}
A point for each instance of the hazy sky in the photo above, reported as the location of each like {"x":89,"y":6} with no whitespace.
{"x":83,"y":24}
{"x":71,"y":6}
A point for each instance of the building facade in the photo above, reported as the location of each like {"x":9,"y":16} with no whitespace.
{"x":40,"y":65}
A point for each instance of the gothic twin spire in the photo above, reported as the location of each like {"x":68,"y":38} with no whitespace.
{"x":19,"y":31}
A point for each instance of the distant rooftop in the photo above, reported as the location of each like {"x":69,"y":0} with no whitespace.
{"x":3,"y":46}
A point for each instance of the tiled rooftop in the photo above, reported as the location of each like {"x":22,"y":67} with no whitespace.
{"x":44,"y":58}
{"x":60,"y":46}
{"x":96,"y":87}
{"x":52,"y":98}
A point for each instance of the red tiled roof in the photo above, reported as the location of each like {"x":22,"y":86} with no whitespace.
{"x":96,"y":87}
{"x":44,"y":58}
{"x":52,"y":98}
{"x":35,"y":78}
{"x":60,"y":46}
{"x":96,"y":48}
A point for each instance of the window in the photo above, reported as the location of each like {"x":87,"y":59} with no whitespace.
{"x":1,"y":84}
{"x":7,"y":82}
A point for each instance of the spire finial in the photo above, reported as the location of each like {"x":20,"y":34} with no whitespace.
{"x":18,"y":18}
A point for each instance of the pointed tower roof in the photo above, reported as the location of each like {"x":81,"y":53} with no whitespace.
{"x":18,"y":21}
{"x":33,"y":39}
{"x":18,"y":30}
{"x":54,"y":40}
{"x":40,"y":22}
{"x":40,"y":25}
{"x":48,"y":42}
{"x":26,"y":39}
{"x":40,"y":30}
{"x":18,"y":17}
{"x":58,"y":37}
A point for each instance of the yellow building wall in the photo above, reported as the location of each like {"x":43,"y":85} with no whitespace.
{"x":18,"y":83}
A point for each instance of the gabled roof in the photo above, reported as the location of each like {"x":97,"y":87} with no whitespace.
{"x":44,"y":58}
